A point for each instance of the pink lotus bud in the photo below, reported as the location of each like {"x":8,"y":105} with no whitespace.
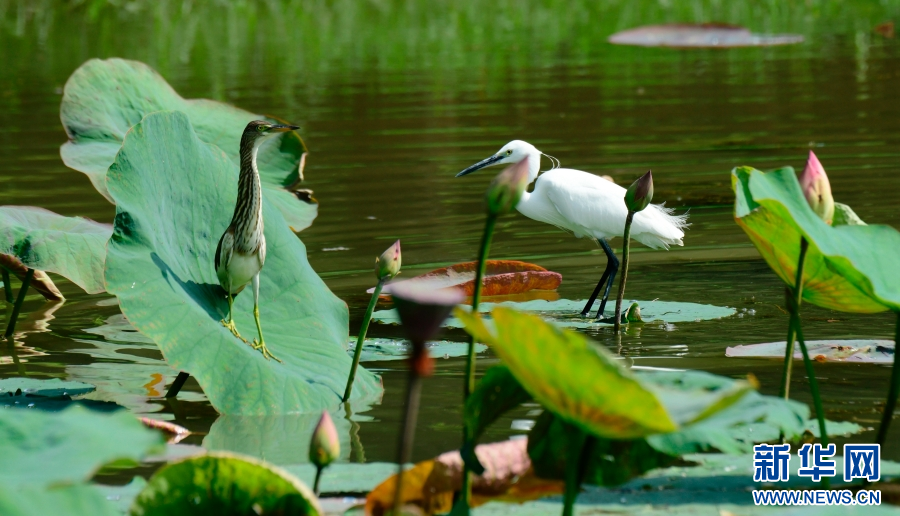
{"x":388,"y":264}
{"x":817,"y":189}
{"x":324,"y":447}
{"x":423,"y":309}
{"x":506,"y":189}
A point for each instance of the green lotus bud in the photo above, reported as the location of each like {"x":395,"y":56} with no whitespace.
{"x":817,"y":189}
{"x":324,"y":447}
{"x":640,"y":193}
{"x":506,"y":189}
{"x":388,"y":264}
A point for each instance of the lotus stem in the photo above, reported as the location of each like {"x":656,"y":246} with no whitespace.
{"x":357,"y":452}
{"x":26,"y":282}
{"x":404,"y":452}
{"x":575,"y":474}
{"x":625,"y":248}
{"x":476,"y":297}
{"x":789,"y":344}
{"x":893,"y":391}
{"x":319,"y":470}
{"x":362,"y":338}
{"x":7,"y":288}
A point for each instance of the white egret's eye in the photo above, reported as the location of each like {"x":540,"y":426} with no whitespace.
{"x":509,"y":152}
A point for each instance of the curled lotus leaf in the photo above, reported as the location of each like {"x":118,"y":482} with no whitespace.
{"x":502,"y":277}
{"x":851,"y":267}
{"x":103,"y":99}
{"x":174,"y":197}
{"x":73,"y":247}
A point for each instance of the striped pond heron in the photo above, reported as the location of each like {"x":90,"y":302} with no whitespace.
{"x":586,"y":205}
{"x":241,"y":252}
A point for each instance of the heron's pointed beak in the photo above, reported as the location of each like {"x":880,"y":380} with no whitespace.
{"x":282,"y":128}
{"x":480,"y":165}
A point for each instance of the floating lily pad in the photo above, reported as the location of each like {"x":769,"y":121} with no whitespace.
{"x":41,"y":448}
{"x":49,"y":388}
{"x":567,"y":313}
{"x":707,"y":35}
{"x":378,"y":350}
{"x":856,"y":351}
{"x":72,"y":247}
{"x":224,"y":484}
{"x":103,"y":99}
{"x":175,"y":197}
{"x":502,"y":277}
{"x":851,"y":268}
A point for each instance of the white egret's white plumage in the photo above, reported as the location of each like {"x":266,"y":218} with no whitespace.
{"x":586,"y":205}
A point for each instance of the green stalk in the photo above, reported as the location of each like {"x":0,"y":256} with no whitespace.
{"x":316,"y":483}
{"x":413,"y":394}
{"x":789,"y":344}
{"x":11,"y":325}
{"x":6,"y":286}
{"x":893,"y":391}
{"x":462,"y":505}
{"x":625,"y":248}
{"x":476,"y":297}
{"x":575,"y":472}
{"x":362,"y":338}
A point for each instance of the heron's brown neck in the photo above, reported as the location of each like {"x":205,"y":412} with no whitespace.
{"x":247,"y":220}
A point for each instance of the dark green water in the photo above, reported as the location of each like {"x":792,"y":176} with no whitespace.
{"x":396,"y":97}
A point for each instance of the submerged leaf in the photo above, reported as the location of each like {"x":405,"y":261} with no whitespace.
{"x":865,"y":351}
{"x":431,"y":484}
{"x":502,"y":277}
{"x":103,"y":99}
{"x":224,"y":484}
{"x":47,"y":388}
{"x":72,"y":247}
{"x":175,"y":197}
{"x":851,"y":268}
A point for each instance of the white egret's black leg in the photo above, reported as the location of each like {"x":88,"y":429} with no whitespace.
{"x":603,"y":278}
{"x":612,"y":266}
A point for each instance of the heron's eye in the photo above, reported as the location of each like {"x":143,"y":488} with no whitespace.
{"x":260,"y":128}
{"x":509,"y":152}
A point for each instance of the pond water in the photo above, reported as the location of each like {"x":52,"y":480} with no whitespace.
{"x":390,"y":118}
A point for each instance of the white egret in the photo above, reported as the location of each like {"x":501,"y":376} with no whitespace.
{"x":586,"y":205}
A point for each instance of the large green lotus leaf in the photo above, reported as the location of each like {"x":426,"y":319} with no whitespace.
{"x":226,"y":485}
{"x":585,"y":385}
{"x":567,"y":312}
{"x":103,"y":99}
{"x":42,"y":448}
{"x":175,"y":197}
{"x":852,"y":268}
{"x":582,"y":383}
{"x":57,"y":500}
{"x":73,"y":247}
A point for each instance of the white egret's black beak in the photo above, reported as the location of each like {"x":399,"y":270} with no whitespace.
{"x":481,"y":164}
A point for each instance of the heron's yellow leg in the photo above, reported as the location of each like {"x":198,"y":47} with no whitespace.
{"x":230,"y":322}
{"x":261,"y":344}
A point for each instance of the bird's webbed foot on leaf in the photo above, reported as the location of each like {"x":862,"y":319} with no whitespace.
{"x":261,"y":347}
{"x":233,"y":328}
